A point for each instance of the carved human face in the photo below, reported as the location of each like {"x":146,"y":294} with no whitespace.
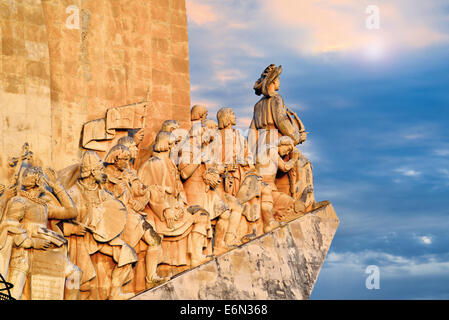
{"x":232,"y":118}
{"x":30,"y":181}
{"x":122,"y":161}
{"x":276,"y":84}
{"x":98,"y":173}
{"x":285,"y":149}
{"x":133,"y":150}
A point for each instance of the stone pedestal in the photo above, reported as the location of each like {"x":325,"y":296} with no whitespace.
{"x":282,"y":264}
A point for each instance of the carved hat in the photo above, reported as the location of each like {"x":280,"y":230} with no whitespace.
{"x":266,"y":78}
{"x":91,"y":161}
{"x":115,"y":152}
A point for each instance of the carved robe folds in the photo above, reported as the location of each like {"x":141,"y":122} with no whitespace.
{"x":97,"y":257}
{"x":167,"y":193}
{"x":271,"y":114}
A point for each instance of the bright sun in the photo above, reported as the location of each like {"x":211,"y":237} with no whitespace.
{"x":374,"y":50}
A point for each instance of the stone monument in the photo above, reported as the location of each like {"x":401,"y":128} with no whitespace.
{"x":112,"y":187}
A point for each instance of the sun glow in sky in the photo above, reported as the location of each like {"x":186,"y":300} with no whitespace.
{"x":375,"y":50}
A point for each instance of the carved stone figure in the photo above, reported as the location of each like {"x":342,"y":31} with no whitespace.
{"x":272,"y":119}
{"x":126,"y":187}
{"x":270,"y":160}
{"x":225,"y":212}
{"x":193,"y":159}
{"x":213,"y":150}
{"x":201,"y":184}
{"x":235,"y":156}
{"x":145,"y":153}
{"x":298,"y":182}
{"x":184,"y":230}
{"x":198,"y":113}
{"x":131,"y":144}
{"x":39,"y":267}
{"x":95,"y":242}
{"x":256,"y":197}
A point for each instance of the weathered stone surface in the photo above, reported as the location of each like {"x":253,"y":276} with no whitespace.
{"x":282,"y":264}
{"x":57,"y":74}
{"x":25,"y":99}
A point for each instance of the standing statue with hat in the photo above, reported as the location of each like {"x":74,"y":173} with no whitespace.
{"x":272,"y":119}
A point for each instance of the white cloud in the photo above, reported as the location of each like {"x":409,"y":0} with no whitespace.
{"x":442,"y":152}
{"x":200,"y":13}
{"x":310,"y":150}
{"x":391,"y":266}
{"x":426,"y":239}
{"x":408,"y":172}
{"x":423,"y":239}
{"x":339,"y":25}
{"x":194,"y":87}
{"x":226,"y":75}
{"x":415,"y":136}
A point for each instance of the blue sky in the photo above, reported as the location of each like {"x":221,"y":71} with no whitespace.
{"x":376,"y":104}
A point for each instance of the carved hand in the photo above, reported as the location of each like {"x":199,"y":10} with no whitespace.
{"x":170,"y":217}
{"x":41,"y":244}
{"x":13,"y":181}
{"x":10,"y":192}
{"x":308,"y":189}
{"x":138,"y":137}
{"x":179,"y":213}
{"x":136,"y":205}
{"x":221,"y":168}
{"x":52,"y":180}
{"x":79,"y":230}
{"x":295,"y":154}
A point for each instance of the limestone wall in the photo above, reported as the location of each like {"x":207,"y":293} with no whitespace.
{"x":25,"y":104}
{"x":57,"y":74}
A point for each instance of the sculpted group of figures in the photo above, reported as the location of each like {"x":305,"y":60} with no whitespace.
{"x":110,"y":228}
